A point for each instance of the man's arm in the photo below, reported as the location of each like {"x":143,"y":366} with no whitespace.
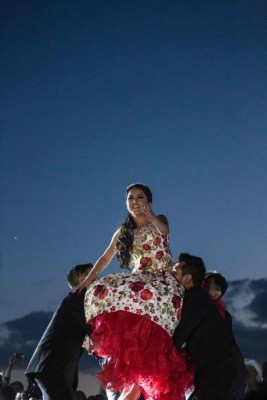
{"x":7,"y":375}
{"x":195,"y":308}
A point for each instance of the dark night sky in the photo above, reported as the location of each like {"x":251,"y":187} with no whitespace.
{"x":97,"y":94}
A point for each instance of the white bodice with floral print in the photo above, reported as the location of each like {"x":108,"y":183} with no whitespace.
{"x":150,"y":290}
{"x":151,"y":250}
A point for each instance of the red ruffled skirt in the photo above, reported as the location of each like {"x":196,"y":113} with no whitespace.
{"x":138,"y":351}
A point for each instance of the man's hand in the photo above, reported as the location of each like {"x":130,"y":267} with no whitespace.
{"x":12,"y":359}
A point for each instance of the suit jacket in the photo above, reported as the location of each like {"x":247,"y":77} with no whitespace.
{"x":210,"y":342}
{"x":58,"y":352}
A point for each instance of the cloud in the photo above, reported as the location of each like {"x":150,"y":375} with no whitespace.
{"x":30,"y":296}
{"x":30,"y":326}
{"x":4,"y":334}
{"x":252,"y":342}
{"x":246,"y":300}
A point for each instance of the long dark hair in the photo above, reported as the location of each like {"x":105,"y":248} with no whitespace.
{"x":125,"y":241}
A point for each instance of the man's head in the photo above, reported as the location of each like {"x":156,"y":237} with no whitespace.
{"x":215,"y":284}
{"x":77,"y":274}
{"x":17,"y":386}
{"x":253,"y":368}
{"x":189,"y":270}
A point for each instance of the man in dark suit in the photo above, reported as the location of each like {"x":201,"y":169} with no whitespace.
{"x":54,"y":364}
{"x":219,"y":365}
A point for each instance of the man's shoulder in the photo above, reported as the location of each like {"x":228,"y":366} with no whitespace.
{"x":196,"y":292}
{"x":73,"y":298}
{"x":199,"y":297}
{"x":72,"y":304}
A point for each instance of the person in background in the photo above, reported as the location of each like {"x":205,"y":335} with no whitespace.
{"x":80,"y":395}
{"x":262,"y":387}
{"x":7,"y":393}
{"x":218,"y":363}
{"x":253,"y":375}
{"x":54,"y":363}
{"x":17,"y":385}
{"x":216,"y":285}
{"x":32,"y":390}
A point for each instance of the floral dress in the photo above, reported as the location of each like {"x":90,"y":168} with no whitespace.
{"x":133,"y":317}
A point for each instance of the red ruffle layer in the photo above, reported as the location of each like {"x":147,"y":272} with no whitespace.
{"x":141,"y":352}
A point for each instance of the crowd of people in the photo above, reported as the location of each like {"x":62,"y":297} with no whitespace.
{"x":160,"y":330}
{"x":256,"y":380}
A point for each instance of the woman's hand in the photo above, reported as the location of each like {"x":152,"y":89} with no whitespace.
{"x":148,"y":213}
{"x":101,"y":263}
{"x":160,"y":222}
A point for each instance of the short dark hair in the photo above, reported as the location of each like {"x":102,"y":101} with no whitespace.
{"x":219,"y":281}
{"x":17,"y":386}
{"x":8,"y":392}
{"x":194,"y":266}
{"x":77,"y":271}
{"x":81,"y":268}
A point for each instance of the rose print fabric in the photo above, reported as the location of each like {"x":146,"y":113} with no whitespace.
{"x":149,"y":290}
{"x":134,"y":316}
{"x":155,"y":296}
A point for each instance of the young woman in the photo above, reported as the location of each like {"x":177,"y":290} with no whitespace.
{"x":134,"y":315}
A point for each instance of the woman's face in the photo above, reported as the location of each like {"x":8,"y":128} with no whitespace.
{"x":136,"y":201}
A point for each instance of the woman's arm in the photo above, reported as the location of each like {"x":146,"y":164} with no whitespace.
{"x":162,"y":225}
{"x":100,"y":264}
{"x":160,"y":221}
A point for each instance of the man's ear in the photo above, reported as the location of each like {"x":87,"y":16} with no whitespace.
{"x":187,"y":280}
{"x":217,"y":294}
